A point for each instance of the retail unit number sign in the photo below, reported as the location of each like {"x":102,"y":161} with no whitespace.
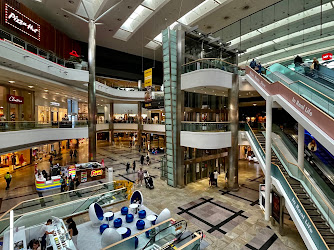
{"x":20,"y":22}
{"x":96,"y":172}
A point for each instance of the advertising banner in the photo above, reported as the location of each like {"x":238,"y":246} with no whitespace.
{"x":148,"y":78}
{"x":276,"y":206}
{"x":22,"y":23}
{"x":83,"y":176}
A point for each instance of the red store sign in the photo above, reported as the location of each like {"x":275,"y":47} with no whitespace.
{"x":327,"y":56}
{"x":15,"y":99}
{"x":19,"y":21}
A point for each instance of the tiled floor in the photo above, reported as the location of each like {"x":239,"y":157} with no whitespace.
{"x":230,"y":220}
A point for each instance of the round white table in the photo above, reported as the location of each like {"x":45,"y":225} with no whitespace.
{"x":134,"y":208}
{"x":108,"y":215}
{"x":151,"y":218}
{"x":122,"y":230}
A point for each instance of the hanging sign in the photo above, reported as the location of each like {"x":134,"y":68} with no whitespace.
{"x":327,"y":56}
{"x":22,"y":23}
{"x":15,"y":99}
{"x":148,"y":77}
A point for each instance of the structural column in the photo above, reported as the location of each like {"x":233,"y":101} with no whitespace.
{"x":92,"y":91}
{"x":269,"y":113}
{"x":233,"y":116}
{"x":140,"y":126}
{"x":111,"y":123}
{"x":301,"y":141}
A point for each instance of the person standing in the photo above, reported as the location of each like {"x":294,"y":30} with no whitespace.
{"x":147,"y":159}
{"x":127,"y":167}
{"x":73,"y":231}
{"x":75,"y":153}
{"x":142,"y":160}
{"x":71,"y":184}
{"x":62,"y":184}
{"x":259,"y":68}
{"x":44,"y":231}
{"x":140,"y":176}
{"x":215,"y":177}
{"x":134,"y":166}
{"x":8,"y":178}
{"x":210,"y":179}
{"x":252,"y":64}
{"x":298,"y":61}
{"x":71,"y":153}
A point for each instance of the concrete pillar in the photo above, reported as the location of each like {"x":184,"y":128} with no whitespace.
{"x":111,"y":123}
{"x":140,"y":125}
{"x":301,"y":141}
{"x":269,"y":113}
{"x":92,"y":112}
{"x":233,"y":116}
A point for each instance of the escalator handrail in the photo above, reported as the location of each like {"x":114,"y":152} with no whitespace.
{"x":308,"y":86}
{"x":292,"y":191}
{"x":173,"y":225}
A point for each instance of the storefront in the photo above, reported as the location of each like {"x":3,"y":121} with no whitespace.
{"x":83,"y":111}
{"x":16,"y":104}
{"x":14,"y":160}
{"x":50,"y":109}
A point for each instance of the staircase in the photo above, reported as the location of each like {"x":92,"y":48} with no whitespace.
{"x":315,"y":215}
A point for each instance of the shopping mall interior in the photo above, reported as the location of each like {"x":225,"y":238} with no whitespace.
{"x":166,"y":124}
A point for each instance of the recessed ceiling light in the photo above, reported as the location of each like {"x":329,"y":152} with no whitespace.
{"x":11,"y":81}
{"x":14,"y":90}
{"x":254,"y":104}
{"x":29,"y":93}
{"x":46,"y":90}
{"x":30,"y":87}
{"x":57,"y":93}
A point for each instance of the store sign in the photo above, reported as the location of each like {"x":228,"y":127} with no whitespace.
{"x":96,"y":172}
{"x":327,"y":56}
{"x":20,"y":22}
{"x":148,"y":77}
{"x":57,"y":104}
{"x":15,"y":99}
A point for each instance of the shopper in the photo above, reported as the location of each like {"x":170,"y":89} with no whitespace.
{"x":127,"y":167}
{"x":73,"y":231}
{"x":134,"y":166}
{"x":298,"y":61}
{"x":77,"y":182}
{"x":312,"y":146}
{"x":62,"y":184}
{"x":44,"y":231}
{"x":210,"y":179}
{"x":75,"y":153}
{"x":71,"y":184}
{"x":71,"y":153}
{"x":215,"y":177}
{"x":66,"y":183}
{"x":34,"y":245}
{"x":147,"y":159}
{"x":252,"y":64}
{"x":315,"y":66}
{"x":259,"y":68}
{"x":142,"y":160}
{"x":140,"y":176}
{"x":8,"y":178}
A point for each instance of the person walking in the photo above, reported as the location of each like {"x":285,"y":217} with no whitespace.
{"x":73,"y":231}
{"x":140,"y":176}
{"x":8,"y":178}
{"x":134,"y":166}
{"x":75,"y":153}
{"x":71,"y":184}
{"x":142,"y":160}
{"x":215,"y":177}
{"x":210,"y":179}
{"x":62,"y":184}
{"x":127,"y":167}
{"x":147,"y":159}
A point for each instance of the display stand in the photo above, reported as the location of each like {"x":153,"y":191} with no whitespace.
{"x":60,"y":240}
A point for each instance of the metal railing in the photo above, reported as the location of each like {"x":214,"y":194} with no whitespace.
{"x":205,"y":126}
{"x":210,"y":63}
{"x":6,"y":126}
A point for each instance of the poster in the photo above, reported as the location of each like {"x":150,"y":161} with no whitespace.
{"x":276,"y":206}
{"x":148,"y":78}
{"x":83,"y":176}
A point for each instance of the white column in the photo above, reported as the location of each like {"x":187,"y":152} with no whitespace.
{"x":269,"y":117}
{"x":301,"y":141}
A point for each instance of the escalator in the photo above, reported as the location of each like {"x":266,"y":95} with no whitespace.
{"x":308,"y":204}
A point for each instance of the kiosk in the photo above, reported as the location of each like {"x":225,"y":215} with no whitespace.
{"x":43,"y":185}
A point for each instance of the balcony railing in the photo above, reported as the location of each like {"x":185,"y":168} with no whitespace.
{"x":210,"y":63}
{"x":205,"y":126}
{"x":6,"y":126}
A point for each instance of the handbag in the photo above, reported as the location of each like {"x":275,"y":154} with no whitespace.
{"x":312,"y":66}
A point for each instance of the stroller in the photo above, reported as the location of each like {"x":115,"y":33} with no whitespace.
{"x":148,"y":180}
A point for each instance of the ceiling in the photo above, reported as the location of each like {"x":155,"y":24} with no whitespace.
{"x":162,"y":13}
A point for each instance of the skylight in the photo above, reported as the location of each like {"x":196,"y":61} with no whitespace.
{"x":140,"y":15}
{"x":191,"y":17}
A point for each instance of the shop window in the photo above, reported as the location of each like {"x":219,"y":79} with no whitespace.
{"x":32,"y":48}
{"x":19,"y":42}
{"x":5,"y":35}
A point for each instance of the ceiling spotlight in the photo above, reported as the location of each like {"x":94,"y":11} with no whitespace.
{"x":46,"y":90}
{"x":254,"y":104}
{"x":11,"y":81}
{"x":30,"y":87}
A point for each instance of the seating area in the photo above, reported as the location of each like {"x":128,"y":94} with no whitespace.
{"x":108,"y":227}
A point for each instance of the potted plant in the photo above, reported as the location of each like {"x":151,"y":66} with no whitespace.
{"x":76,"y":61}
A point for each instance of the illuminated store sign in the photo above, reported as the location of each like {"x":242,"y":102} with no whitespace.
{"x":19,"y":21}
{"x":15,"y":99}
{"x":327,"y":56}
{"x":57,"y":104}
{"x":96,"y":172}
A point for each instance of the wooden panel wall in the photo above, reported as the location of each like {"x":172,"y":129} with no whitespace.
{"x":51,"y":38}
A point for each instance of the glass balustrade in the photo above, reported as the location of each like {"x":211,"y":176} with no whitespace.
{"x":6,"y":126}
{"x":320,"y":96}
{"x":209,"y":63}
{"x":205,"y":126}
